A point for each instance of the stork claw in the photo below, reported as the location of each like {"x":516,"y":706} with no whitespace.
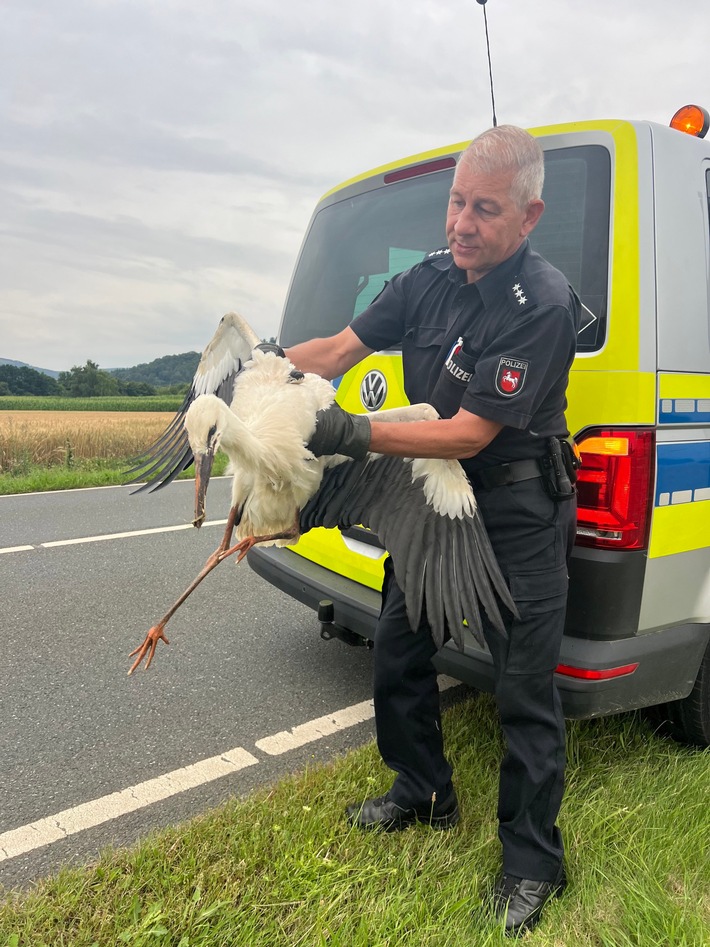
{"x":156,"y":633}
{"x":244,"y":546}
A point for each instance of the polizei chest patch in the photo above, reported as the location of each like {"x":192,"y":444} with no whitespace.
{"x":510,"y":376}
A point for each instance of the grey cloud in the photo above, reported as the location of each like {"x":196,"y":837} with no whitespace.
{"x":252,"y":111}
{"x":137,"y":143}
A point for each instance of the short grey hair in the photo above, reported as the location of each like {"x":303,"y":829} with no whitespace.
{"x":508,"y":148}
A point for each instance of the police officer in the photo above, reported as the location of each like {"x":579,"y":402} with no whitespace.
{"x":488,"y":331}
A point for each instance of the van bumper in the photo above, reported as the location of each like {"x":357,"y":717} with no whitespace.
{"x":668,"y":660}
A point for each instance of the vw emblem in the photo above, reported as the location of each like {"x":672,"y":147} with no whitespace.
{"x":373,"y":390}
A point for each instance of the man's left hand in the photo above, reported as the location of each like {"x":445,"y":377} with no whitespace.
{"x":338,"y":432}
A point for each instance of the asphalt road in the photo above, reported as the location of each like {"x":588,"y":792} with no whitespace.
{"x":244,"y":663}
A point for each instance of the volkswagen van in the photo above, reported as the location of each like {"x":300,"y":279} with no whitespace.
{"x":626,"y":220}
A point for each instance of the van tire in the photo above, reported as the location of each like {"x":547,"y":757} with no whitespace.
{"x":688,"y":720}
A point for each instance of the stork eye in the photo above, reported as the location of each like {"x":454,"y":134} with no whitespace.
{"x":211,"y":435}
{"x":295,"y":376}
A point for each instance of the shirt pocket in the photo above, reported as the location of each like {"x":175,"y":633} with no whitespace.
{"x":423,"y":337}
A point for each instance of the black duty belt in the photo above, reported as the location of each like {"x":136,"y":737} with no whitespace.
{"x":505,"y":474}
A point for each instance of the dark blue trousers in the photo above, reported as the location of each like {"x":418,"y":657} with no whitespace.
{"x":532,"y":536}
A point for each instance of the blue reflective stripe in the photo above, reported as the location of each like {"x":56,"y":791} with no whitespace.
{"x":684,"y":411}
{"x":683,"y":472}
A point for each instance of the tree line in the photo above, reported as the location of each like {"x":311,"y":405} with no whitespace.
{"x":171,"y":374}
{"x":85,"y":381}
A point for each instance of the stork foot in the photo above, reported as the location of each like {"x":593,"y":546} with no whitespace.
{"x":243,"y":547}
{"x":156,"y":634}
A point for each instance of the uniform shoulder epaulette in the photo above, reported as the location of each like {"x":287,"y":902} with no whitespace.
{"x":519,"y":294}
{"x":435,"y":255}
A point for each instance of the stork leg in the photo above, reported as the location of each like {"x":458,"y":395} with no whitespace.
{"x":223,"y":551}
{"x":244,"y":545}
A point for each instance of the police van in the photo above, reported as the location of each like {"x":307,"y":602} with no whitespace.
{"x":627,"y":222}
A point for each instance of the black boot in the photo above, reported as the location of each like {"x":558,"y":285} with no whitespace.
{"x":521,"y":901}
{"x":384,"y":814}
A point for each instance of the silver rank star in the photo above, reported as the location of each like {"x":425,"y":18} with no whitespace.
{"x":518,"y":290}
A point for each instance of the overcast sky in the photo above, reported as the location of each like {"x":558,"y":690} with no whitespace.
{"x":160,"y":159}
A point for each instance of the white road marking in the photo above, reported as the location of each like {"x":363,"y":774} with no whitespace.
{"x":96,"y":539}
{"x":88,"y":815}
{"x":134,"y":532}
{"x":113,"y":486}
{"x":287,"y":740}
{"x":445,"y":682}
{"x":44,"y":493}
{"x":105,"y":536}
{"x":316,"y":729}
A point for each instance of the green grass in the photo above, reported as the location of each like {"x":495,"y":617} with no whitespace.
{"x":50,"y":403}
{"x":281,"y":868}
{"x":84,"y":473}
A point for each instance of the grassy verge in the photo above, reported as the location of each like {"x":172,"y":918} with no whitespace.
{"x":281,"y":869}
{"x":37,"y":478}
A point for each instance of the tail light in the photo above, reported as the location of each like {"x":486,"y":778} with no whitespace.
{"x":413,"y":171}
{"x":615,"y":488}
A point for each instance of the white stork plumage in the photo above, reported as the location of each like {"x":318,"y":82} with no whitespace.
{"x":260,"y":410}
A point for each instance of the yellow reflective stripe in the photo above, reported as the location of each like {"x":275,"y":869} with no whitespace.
{"x":612,"y":127}
{"x":683,"y":386}
{"x":610,"y":398}
{"x":400,"y":163}
{"x":609,"y":125}
{"x":679,"y":528}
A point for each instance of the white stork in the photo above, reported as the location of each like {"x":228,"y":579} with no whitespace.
{"x":261,"y":411}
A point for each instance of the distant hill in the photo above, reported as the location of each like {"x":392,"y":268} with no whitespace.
{"x":15,"y":364}
{"x":161,"y":372}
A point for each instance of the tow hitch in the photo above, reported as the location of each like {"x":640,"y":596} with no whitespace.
{"x":329,"y":629}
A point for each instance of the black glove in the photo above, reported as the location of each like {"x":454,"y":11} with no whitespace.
{"x":338,"y":432}
{"x":271,"y":347}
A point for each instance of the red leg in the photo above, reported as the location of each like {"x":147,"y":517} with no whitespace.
{"x":244,"y":545}
{"x":157,"y":632}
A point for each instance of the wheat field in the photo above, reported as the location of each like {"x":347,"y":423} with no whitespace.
{"x":60,"y":438}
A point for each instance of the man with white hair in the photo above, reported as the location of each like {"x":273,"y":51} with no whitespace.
{"x":488,"y":332}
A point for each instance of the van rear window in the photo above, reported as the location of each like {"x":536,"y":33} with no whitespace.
{"x":354,"y":245}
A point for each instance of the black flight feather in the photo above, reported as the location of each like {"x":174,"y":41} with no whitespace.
{"x":442,"y":564}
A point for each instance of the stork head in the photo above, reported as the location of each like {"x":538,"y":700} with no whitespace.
{"x":204,"y":423}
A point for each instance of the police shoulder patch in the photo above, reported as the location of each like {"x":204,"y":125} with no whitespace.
{"x":510,"y":376}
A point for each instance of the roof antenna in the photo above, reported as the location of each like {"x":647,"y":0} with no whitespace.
{"x":490,"y":68}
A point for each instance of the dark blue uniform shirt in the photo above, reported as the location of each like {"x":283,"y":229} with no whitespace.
{"x":500,"y":348}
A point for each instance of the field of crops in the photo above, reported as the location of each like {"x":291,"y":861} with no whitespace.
{"x":35,"y":403}
{"x":65,"y":438}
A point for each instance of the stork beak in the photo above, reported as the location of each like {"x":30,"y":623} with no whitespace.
{"x":203,"y":469}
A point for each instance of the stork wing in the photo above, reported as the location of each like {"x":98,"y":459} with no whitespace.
{"x":220,"y":364}
{"x":444,"y":563}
